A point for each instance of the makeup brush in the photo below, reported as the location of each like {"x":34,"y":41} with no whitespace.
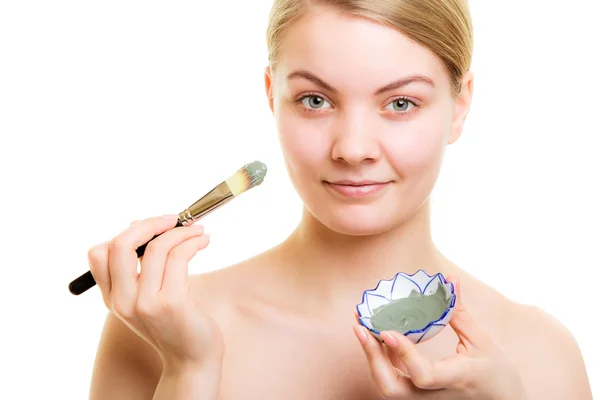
{"x":247,"y":177}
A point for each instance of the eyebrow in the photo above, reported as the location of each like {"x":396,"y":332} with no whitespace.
{"x":304,"y":74}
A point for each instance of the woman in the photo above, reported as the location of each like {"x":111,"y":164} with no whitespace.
{"x":366,"y":96}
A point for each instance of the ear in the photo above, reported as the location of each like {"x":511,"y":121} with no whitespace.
{"x":462,"y":107}
{"x":269,"y":87}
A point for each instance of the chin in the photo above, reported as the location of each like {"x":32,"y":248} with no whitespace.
{"x":356,"y":220}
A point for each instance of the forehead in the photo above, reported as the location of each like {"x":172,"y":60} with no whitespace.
{"x":349,"y":50}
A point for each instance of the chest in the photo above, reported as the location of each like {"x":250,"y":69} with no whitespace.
{"x":302,"y":363}
{"x":270,"y":365}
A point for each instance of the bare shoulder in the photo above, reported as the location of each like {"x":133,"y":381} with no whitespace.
{"x":545,"y":351}
{"x":212,"y":288}
{"x":222,"y":291}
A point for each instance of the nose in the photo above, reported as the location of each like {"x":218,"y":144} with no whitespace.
{"x":355,"y":140}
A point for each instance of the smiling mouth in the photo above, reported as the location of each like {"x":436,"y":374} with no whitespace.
{"x":357,"y":189}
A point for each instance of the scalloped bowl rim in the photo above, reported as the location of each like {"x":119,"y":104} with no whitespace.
{"x":430,"y":324}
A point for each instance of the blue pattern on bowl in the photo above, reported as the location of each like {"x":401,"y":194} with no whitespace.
{"x":400,"y":286}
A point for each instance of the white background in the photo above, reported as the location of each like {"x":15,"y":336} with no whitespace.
{"x":119,"y":110}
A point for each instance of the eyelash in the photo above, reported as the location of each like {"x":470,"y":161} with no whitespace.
{"x":298,"y":101}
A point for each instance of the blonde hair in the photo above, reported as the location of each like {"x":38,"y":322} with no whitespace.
{"x":442,"y":26}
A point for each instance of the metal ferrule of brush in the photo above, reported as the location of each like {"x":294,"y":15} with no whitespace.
{"x":220,"y":195}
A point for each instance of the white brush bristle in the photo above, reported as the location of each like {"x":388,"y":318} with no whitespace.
{"x":247,"y":177}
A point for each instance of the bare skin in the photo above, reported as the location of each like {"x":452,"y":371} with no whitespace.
{"x":281,"y":323}
{"x":282,"y":342}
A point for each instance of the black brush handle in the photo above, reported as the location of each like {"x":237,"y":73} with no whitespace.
{"x":87,"y":281}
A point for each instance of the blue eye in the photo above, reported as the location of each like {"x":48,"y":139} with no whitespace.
{"x":400,"y":104}
{"x":314,"y":102}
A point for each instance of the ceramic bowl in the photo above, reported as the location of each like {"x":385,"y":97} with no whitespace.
{"x":400,"y":286}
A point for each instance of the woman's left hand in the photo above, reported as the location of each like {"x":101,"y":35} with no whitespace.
{"x":479,"y":370}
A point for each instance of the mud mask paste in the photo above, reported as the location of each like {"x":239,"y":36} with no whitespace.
{"x":411,"y":313}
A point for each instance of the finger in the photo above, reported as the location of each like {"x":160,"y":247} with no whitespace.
{"x":395,"y":360}
{"x":176,"y":270}
{"x":155,"y":258}
{"x":123,"y":260}
{"x":135,"y":221}
{"x":452,"y":372}
{"x":98,"y":262}
{"x":418,"y":367}
{"x":391,"y":355}
{"x":470,"y":333}
{"x":383,"y":373}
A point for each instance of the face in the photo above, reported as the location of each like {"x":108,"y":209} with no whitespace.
{"x":364,"y":116}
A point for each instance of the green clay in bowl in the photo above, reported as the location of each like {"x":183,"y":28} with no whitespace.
{"x":410,"y":313}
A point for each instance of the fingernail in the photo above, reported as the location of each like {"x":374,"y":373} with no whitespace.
{"x":198,"y":227}
{"x":389,"y":339}
{"x":360,"y":333}
{"x":170,"y":216}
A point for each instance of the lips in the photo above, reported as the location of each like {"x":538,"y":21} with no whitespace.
{"x":356,"y":183}
{"x":357,"y":189}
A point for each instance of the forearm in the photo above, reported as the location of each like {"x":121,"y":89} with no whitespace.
{"x":189,"y":383}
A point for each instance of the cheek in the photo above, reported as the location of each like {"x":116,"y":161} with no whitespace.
{"x":304,"y":141}
{"x":419,"y":148}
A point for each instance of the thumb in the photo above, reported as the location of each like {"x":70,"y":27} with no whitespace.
{"x":469,"y":331}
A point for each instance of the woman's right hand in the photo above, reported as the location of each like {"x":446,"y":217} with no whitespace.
{"x":157,"y":303}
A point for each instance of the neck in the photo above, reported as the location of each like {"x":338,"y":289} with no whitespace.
{"x":325,"y":263}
